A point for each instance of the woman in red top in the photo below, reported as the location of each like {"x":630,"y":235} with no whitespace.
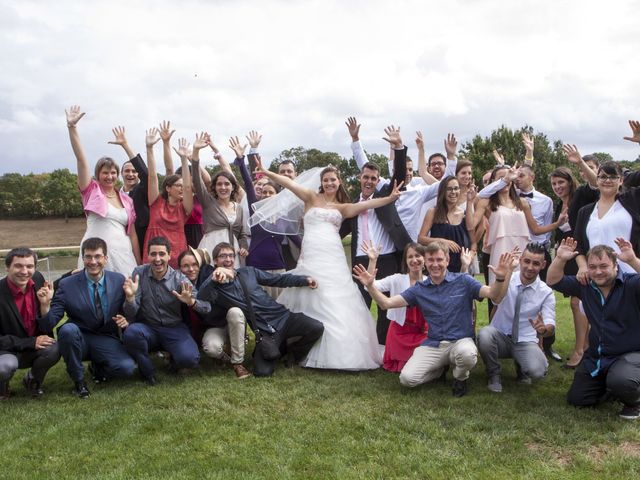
{"x":170,"y":207}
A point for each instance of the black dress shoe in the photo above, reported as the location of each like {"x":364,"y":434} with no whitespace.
{"x":81,"y":390}
{"x":459,"y":388}
{"x":552,"y":355}
{"x":96,"y":375}
{"x":32,"y":386}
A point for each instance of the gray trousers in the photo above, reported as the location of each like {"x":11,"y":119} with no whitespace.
{"x":40,"y":362}
{"x":494,"y":345}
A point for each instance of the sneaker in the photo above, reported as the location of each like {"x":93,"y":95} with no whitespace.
{"x":459,"y":387}
{"x":32,"y":385}
{"x":241,"y":371}
{"x":81,"y":390}
{"x":524,"y":380}
{"x":550,"y":353}
{"x":629,"y":412}
{"x":495,"y":385}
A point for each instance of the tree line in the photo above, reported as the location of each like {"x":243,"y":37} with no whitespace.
{"x":56,"y":193}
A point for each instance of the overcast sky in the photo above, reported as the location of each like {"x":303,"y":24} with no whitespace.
{"x":295,"y":71}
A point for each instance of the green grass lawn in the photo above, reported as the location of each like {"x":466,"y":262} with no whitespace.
{"x":315,"y":424}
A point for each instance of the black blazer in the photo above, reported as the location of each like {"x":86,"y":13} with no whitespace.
{"x":388,"y":214}
{"x":13,"y":336}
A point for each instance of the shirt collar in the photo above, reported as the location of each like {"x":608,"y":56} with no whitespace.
{"x":167,"y":274}
{"x":15,"y":290}
{"x":533,"y":285}
{"x":92,"y":281}
{"x":448,"y":277}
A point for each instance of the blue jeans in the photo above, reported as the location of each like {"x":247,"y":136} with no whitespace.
{"x":107,"y":353}
{"x":140,"y":339}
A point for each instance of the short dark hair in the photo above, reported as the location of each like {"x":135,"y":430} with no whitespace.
{"x":22,"y":252}
{"x":159,"y":241}
{"x":370,"y":166}
{"x":600,"y":250}
{"x":285,"y":162}
{"x":536,"y":248}
{"x":592,"y":159}
{"x":434,"y":155}
{"x":436,"y":246}
{"x":221,"y":246}
{"x":93,"y":243}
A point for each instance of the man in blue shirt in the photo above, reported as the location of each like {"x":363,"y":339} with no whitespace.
{"x":610,"y":366}
{"x":446,"y":301}
{"x":276,"y":328}
{"x":92,"y":300}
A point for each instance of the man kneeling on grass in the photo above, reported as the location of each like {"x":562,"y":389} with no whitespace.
{"x":446,"y":301}
{"x":610,"y":367}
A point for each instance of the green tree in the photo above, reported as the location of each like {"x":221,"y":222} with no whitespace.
{"x":60,"y":194}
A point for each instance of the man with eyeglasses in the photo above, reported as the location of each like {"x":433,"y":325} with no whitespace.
{"x":92,"y":300}
{"x":153,"y":297}
{"x":277,"y":329}
{"x":24,"y":296}
{"x":526,"y":313}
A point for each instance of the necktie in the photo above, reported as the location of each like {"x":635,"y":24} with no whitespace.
{"x":365,"y":226}
{"x":97,"y":302}
{"x":515,"y":326}
{"x":528,"y":195}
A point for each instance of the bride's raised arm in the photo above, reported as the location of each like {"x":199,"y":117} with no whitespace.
{"x":349,"y":210}
{"x":305,"y":194}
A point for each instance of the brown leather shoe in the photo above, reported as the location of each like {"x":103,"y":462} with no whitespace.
{"x":241,"y":371}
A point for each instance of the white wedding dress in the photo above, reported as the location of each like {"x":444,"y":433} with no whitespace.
{"x":349,"y":341}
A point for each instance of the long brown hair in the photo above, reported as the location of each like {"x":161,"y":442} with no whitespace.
{"x":494,"y":200}
{"x":565,"y":173}
{"x":234,"y":185}
{"x":441,"y":209}
{"x":341,"y":195}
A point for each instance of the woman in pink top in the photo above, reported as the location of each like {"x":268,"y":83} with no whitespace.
{"x":109,"y":211}
{"x":169,"y":208}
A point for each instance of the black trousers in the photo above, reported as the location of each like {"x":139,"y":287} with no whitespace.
{"x":40,"y":362}
{"x":621,"y":381}
{"x":387,"y":265}
{"x":551,"y":339}
{"x":299,"y":334}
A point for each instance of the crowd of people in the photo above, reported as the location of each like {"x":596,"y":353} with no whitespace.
{"x":184,"y":267}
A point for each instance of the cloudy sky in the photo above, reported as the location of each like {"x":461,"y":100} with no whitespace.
{"x":295,"y":71}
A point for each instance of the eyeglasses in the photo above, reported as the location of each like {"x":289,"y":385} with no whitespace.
{"x":608,"y":178}
{"x":436,"y":164}
{"x":97,"y":257}
{"x":226,"y":255}
{"x":453,"y":189}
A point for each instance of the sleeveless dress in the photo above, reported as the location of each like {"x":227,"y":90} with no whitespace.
{"x":507,"y":228}
{"x":112,"y":229}
{"x":349,"y":341}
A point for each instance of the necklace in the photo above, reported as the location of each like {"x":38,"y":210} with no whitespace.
{"x":113,"y":195}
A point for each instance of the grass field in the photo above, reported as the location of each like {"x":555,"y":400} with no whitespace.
{"x":315,"y":424}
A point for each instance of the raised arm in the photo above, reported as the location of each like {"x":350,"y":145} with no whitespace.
{"x":239,"y":149}
{"x":165,"y":134}
{"x":541,"y":229}
{"x":305,"y":194}
{"x":527,"y":141}
{"x":564,"y":253}
{"x":573,"y":155}
{"x":384,"y":302}
{"x":394,"y":139}
{"x":121,"y":139}
{"x":635,"y":130}
{"x":84,"y":173}
{"x":349,"y":210}
{"x":217,"y":155}
{"x":627,"y":255}
{"x":150,"y":139}
{"x":497,"y":290}
{"x":356,"y":147}
{"x":198,"y":184}
{"x":422,"y":161}
{"x":187,"y":183}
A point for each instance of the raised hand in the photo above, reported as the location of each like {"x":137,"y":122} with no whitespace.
{"x":119,"y":136}
{"x":183,"y":149}
{"x":419,"y":140}
{"x":73,"y":115}
{"x":120,"y":321}
{"x":254,"y":139}
{"x":538,"y":325}
{"x":505,"y":266}
{"x":635,"y":129}
{"x":466,"y":258}
{"x":354,"y":128}
{"x":499,"y":158}
{"x":527,"y":141}
{"x":185,"y":295}
{"x":567,"y":249}
{"x":371,"y":250}
{"x":363,"y":276}
{"x":572,"y":153}
{"x":151,"y":137}
{"x":130,"y":287}
{"x":626,"y":250}
{"x":393,"y":136}
{"x":450,"y":146}
{"x":395,"y":193}
{"x":45,"y":294}
{"x":165,"y":131}
{"x":472,"y":192}
{"x":202,"y":140}
{"x":259,"y":167}
{"x":235,"y":145}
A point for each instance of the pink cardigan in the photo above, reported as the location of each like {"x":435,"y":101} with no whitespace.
{"x":94,"y":200}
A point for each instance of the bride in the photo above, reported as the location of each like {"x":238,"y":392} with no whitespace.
{"x":349,"y":341}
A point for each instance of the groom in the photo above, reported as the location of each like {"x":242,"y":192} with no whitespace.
{"x":276,"y":328}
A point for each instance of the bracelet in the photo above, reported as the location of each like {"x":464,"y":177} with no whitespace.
{"x":70,"y":125}
{"x":499,"y":279}
{"x":217,"y":156}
